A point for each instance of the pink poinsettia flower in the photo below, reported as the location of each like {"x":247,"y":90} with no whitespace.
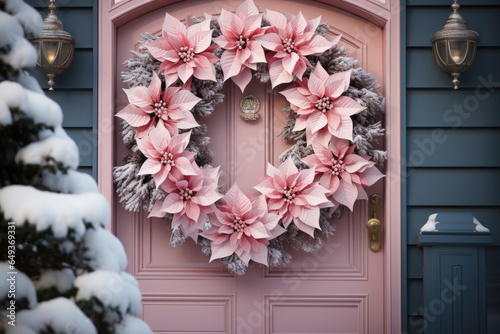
{"x":150,"y":106}
{"x":190,"y":199}
{"x":343,"y":172}
{"x":239,"y":39}
{"x":322,"y":111}
{"x":242,"y":226}
{"x":294,"y":195}
{"x":185,"y":51}
{"x":166,"y":155}
{"x":291,"y":39}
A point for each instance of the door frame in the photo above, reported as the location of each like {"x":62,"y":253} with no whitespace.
{"x":383,"y":13}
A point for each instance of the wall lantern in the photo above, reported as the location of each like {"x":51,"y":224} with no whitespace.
{"x":55,"y":47}
{"x":455,"y":46}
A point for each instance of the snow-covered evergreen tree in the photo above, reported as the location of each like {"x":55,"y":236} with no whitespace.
{"x":61,"y":271}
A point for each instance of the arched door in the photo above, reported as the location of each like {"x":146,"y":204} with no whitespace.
{"x":340,"y":289}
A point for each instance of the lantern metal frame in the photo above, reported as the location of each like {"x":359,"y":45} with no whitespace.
{"x":455,"y":31}
{"x":53,"y":32}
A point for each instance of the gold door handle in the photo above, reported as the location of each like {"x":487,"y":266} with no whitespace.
{"x":374,"y":225}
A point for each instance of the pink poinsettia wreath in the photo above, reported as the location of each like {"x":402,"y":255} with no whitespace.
{"x":234,"y":224}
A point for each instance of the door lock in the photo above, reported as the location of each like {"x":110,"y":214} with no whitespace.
{"x":374,"y":224}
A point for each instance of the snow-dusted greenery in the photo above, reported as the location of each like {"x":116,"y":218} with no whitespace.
{"x":68,"y":268}
{"x":138,"y":192}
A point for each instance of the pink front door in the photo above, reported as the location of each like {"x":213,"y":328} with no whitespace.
{"x":340,"y":289}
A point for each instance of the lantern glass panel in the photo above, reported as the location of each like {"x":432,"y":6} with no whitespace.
{"x":471,"y":53}
{"x":458,"y":51}
{"x":50,"y":51}
{"x":441,"y":54}
{"x":65,"y":52}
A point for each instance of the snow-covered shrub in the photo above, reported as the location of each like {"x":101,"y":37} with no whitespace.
{"x":62,"y":271}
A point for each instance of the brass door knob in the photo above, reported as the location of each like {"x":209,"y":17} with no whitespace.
{"x":374,"y":227}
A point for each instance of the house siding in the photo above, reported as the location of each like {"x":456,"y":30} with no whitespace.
{"x":76,"y":89}
{"x":451,"y":157}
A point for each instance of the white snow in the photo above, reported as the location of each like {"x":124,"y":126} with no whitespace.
{"x":62,"y":280}
{"x":5,"y":116}
{"x":479,"y":226}
{"x":26,"y":15}
{"x":73,"y":182}
{"x":59,"y":212}
{"x":20,"y":52}
{"x":105,"y":250}
{"x":37,"y":106}
{"x":111,"y":288}
{"x":23,"y":285}
{"x":132,"y":325}
{"x":430,"y":226}
{"x":59,"y":147}
{"x":19,"y":329}
{"x":29,"y":82}
{"x":61,"y":314}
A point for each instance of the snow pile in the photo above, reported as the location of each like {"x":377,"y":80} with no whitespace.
{"x":430,"y":226}
{"x":132,"y":325}
{"x":34,"y":105}
{"x":72,"y":182}
{"x":20,"y":52}
{"x":26,"y":15}
{"x":479,"y":226}
{"x":113,"y":290}
{"x":60,"y":314}
{"x":105,"y":251}
{"x":59,"y":212}
{"x":62,"y":280}
{"x":24,"y":286}
{"x":5,"y":116}
{"x":56,"y":147}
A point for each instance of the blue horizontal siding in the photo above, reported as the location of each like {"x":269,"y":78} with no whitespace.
{"x":478,"y":18}
{"x":78,"y":112}
{"x":454,"y":186}
{"x":450,"y":108}
{"x":423,"y":72}
{"x":452,"y":147}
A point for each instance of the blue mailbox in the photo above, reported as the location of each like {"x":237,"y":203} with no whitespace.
{"x":454,"y":273}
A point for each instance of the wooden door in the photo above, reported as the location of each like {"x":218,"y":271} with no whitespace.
{"x":339,"y":289}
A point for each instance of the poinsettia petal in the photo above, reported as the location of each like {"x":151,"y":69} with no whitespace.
{"x":139,"y":96}
{"x":134,"y":116}
{"x":150,"y":166}
{"x":276,"y":19}
{"x":310,"y":217}
{"x":205,"y":70}
{"x":288,"y":167}
{"x":230,"y":66}
{"x":185,"y":99}
{"x":201,"y":40}
{"x":172,"y":204}
{"x":188,"y":122}
{"x":278,"y":74}
{"x":173,"y":26}
{"x":243,"y":78}
{"x":247,"y":8}
{"x":317,"y":121}
{"x":221,"y":250}
{"x":184,"y":166}
{"x":346,"y":194}
{"x":372,"y":175}
{"x":271,"y":41}
{"x":338,"y":83}
{"x":206,"y":196}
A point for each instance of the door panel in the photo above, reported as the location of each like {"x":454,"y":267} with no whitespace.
{"x":338,"y":289}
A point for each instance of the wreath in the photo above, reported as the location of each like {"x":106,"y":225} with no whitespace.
{"x":175,"y":80}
